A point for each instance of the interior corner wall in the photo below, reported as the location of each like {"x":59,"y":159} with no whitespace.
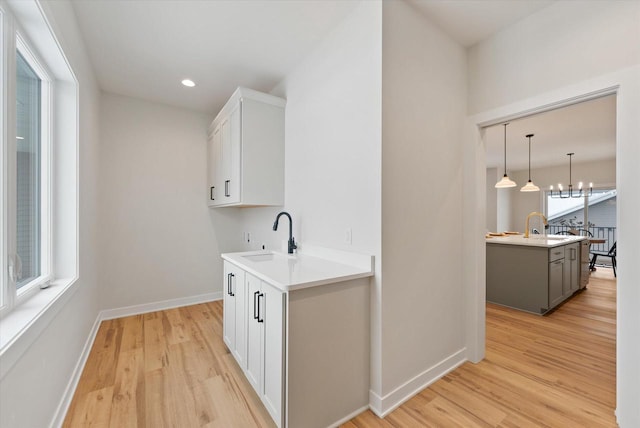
{"x":423,"y":111}
{"x":32,"y":390}
{"x":158,"y":238}
{"x":565,"y":51}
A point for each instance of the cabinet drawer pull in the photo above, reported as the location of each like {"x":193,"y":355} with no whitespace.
{"x":226,"y":188}
{"x":255,"y":305}
{"x":260,"y":319}
{"x":211,"y":193}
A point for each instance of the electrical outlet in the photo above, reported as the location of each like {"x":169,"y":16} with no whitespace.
{"x":348,"y":236}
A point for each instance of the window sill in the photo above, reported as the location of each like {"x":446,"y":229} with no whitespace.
{"x":22,"y":326}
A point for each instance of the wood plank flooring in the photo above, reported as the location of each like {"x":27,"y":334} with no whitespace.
{"x":172,"y":369}
{"x":553,"y":371}
{"x":164,"y":369}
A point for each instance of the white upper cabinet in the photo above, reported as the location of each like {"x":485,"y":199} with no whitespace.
{"x":246,"y":151}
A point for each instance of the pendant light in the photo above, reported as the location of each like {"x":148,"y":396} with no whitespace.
{"x":570,"y":193}
{"x":505,"y":182}
{"x":530,"y":187}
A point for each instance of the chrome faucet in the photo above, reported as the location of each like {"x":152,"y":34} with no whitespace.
{"x":534,"y":214}
{"x":291,"y":243}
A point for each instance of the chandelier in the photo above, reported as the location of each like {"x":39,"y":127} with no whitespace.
{"x":570,"y":193}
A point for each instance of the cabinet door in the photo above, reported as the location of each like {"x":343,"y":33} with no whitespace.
{"x":230,"y":132}
{"x":272,"y":311}
{"x":214,"y":162}
{"x":255,"y":333}
{"x":229,"y":309}
{"x":234,"y":153}
{"x":574,"y":267}
{"x":240,"y":292}
{"x":556,"y":282}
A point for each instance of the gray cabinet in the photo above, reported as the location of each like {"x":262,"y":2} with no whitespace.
{"x":557,"y":283}
{"x":572,"y":268}
{"x":532,"y":278}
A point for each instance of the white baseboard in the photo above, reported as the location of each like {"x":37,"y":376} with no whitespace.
{"x":65,"y":402}
{"x":108,"y":314}
{"x":382,"y":406}
{"x":349,"y":417}
{"x":144,"y":308}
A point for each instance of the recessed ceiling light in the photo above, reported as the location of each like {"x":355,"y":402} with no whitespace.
{"x":188,"y":83}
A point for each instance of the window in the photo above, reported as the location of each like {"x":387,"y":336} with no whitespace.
{"x":26,"y":177}
{"x":28,"y":173}
{"x":39,"y":97}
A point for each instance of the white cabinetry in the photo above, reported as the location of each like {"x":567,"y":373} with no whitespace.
{"x":246,"y":151}
{"x":234,"y":316}
{"x":307,"y":349}
{"x":265,"y":345}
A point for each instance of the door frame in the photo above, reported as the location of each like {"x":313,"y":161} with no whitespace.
{"x":626,"y":86}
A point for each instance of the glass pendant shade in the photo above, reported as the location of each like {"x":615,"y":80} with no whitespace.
{"x":530,"y":187}
{"x":505,"y":182}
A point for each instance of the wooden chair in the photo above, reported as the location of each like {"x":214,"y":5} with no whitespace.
{"x":611,"y":253}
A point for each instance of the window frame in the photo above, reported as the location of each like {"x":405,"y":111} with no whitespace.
{"x":14,"y":41}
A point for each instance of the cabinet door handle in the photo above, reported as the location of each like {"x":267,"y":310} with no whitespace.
{"x":233,"y":294}
{"x":259,"y":296}
{"x":255,"y":306}
{"x":226,"y":188}
{"x":229,"y":284}
{"x":211,"y":193}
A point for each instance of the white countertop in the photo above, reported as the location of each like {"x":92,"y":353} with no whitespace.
{"x":312,"y":267}
{"x":547,"y":241}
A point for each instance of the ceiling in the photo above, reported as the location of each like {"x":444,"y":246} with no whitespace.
{"x":144,"y":48}
{"x":470,"y":21}
{"x":587,"y":129}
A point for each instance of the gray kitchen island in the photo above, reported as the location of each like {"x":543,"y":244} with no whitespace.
{"x":538,"y":273}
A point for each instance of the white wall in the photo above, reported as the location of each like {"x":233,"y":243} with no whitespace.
{"x":159,"y":240}
{"x":562,"y":53}
{"x":31,"y":391}
{"x":423,"y":110}
{"x":332,"y":148}
{"x":559,"y":45}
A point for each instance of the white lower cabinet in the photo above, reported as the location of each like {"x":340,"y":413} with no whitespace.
{"x":306,"y":351}
{"x":234,"y":317}
{"x":265,"y":344}
{"x":257,"y":316}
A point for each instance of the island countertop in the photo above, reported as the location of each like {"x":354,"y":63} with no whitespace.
{"x":310,"y":267}
{"x":546,"y":241}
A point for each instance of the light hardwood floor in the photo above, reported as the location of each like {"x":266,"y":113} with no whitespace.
{"x":171,"y":369}
{"x":552,"y":371}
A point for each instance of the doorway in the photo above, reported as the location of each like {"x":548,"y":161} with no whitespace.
{"x":599,"y":170}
